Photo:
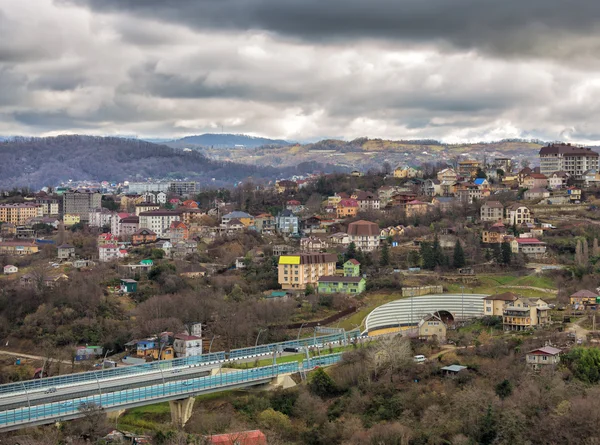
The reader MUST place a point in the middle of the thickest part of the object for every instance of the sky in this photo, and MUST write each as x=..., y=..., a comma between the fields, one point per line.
x=452, y=70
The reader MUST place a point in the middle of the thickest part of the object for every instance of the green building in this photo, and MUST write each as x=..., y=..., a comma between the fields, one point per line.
x=352, y=268
x=147, y=262
x=342, y=285
x=128, y=285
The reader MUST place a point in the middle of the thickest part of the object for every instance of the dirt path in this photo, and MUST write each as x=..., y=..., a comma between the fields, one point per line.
x=540, y=289
x=33, y=357
x=445, y=349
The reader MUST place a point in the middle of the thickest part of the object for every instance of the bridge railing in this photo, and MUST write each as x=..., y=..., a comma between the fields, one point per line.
x=183, y=388
x=93, y=376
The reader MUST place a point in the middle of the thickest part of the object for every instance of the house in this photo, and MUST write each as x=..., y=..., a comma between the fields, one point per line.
x=110, y=252
x=347, y=208
x=70, y=219
x=128, y=285
x=313, y=244
x=492, y=211
x=265, y=223
x=234, y=225
x=351, y=268
x=187, y=345
x=583, y=297
x=574, y=194
x=535, y=180
x=416, y=208
x=385, y=194
x=495, y=234
x=107, y=238
x=453, y=370
x=536, y=193
x=364, y=234
x=444, y=203
x=178, y=232
x=432, y=326
x=406, y=171
x=300, y=270
x=8, y=230
x=542, y=357
x=558, y=180
x=481, y=183
x=245, y=218
x=255, y=437
x=79, y=264
x=591, y=178
x=10, y=269
x=143, y=236
x=53, y=280
x=518, y=214
x=190, y=204
x=468, y=169
x=124, y=224
x=339, y=239
x=100, y=217
x=447, y=175
x=165, y=246
x=532, y=247
x=431, y=187
x=159, y=221
x=366, y=201
x=65, y=251
x=400, y=199
x=286, y=186
x=469, y=192
x=287, y=223
x=494, y=304
x=525, y=313
x=88, y=352
x=24, y=247
x=336, y=198
x=294, y=206
x=392, y=231
x=282, y=249
x=343, y=285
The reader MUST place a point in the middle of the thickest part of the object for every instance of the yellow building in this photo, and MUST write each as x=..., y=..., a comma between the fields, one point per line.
x=18, y=247
x=468, y=169
x=298, y=271
x=19, y=213
x=525, y=313
x=432, y=327
x=71, y=219
x=494, y=304
x=145, y=207
x=405, y=171
x=129, y=202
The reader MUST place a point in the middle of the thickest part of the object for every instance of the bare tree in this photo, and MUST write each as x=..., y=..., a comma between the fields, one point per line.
x=391, y=354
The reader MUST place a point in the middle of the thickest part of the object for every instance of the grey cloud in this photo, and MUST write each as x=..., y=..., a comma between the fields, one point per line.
x=545, y=28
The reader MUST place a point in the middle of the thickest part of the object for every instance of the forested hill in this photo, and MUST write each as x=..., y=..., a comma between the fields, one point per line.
x=37, y=162
x=210, y=140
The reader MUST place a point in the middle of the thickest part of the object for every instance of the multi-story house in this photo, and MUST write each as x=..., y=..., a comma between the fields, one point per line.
x=431, y=187
x=518, y=214
x=178, y=232
x=536, y=193
x=245, y=218
x=532, y=247
x=19, y=213
x=128, y=226
x=415, y=208
x=568, y=158
x=447, y=174
x=107, y=238
x=110, y=252
x=145, y=207
x=406, y=171
x=364, y=234
x=115, y=222
x=496, y=234
x=313, y=244
x=80, y=203
x=265, y=223
x=183, y=188
x=159, y=221
x=574, y=194
x=543, y=357
x=583, y=298
x=504, y=164
x=525, y=313
x=339, y=239
x=65, y=252
x=284, y=186
x=351, y=268
x=187, y=345
x=100, y=217
x=143, y=236
x=347, y=208
x=299, y=270
x=492, y=211
x=341, y=285
x=18, y=247
x=70, y=219
x=494, y=304
x=385, y=194
x=468, y=192
x=366, y=201
x=558, y=180
x=535, y=180
x=468, y=169
x=287, y=223
x=432, y=326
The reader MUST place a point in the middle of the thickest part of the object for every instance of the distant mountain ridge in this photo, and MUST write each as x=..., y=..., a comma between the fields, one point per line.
x=37, y=162
x=215, y=140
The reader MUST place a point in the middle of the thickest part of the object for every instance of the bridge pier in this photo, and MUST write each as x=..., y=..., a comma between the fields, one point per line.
x=181, y=411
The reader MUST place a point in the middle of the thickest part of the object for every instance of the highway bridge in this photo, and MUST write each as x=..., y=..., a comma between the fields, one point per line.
x=52, y=392
x=179, y=392
x=407, y=312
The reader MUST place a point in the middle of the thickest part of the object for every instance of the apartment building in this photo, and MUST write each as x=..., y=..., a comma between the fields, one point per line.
x=138, y=188
x=468, y=169
x=299, y=270
x=145, y=207
x=525, y=313
x=18, y=247
x=568, y=158
x=287, y=223
x=183, y=188
x=159, y=221
x=80, y=203
x=364, y=234
x=367, y=201
x=495, y=234
x=50, y=206
x=100, y=217
x=19, y=213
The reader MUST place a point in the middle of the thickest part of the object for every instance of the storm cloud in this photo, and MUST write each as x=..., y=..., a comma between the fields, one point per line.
x=453, y=70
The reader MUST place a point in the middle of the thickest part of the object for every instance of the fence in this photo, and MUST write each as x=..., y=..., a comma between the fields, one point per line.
x=422, y=290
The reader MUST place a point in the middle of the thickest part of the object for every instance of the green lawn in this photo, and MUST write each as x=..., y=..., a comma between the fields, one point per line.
x=372, y=301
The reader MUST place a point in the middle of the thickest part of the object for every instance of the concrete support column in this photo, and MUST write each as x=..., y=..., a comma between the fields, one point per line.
x=181, y=411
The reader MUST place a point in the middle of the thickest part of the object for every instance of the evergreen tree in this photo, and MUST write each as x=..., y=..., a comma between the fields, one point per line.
x=427, y=256
x=438, y=253
x=497, y=253
x=351, y=251
x=595, y=248
x=488, y=428
x=459, y=255
x=384, y=259
x=506, y=253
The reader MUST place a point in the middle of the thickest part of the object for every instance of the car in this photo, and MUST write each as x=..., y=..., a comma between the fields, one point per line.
x=50, y=390
x=291, y=349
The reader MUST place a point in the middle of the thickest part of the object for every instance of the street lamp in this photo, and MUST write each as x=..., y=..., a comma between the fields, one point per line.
x=259, y=332
x=211, y=342
x=462, y=304
x=299, y=330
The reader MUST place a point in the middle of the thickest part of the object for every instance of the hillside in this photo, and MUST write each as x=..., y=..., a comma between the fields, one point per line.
x=37, y=162
x=210, y=140
x=364, y=153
